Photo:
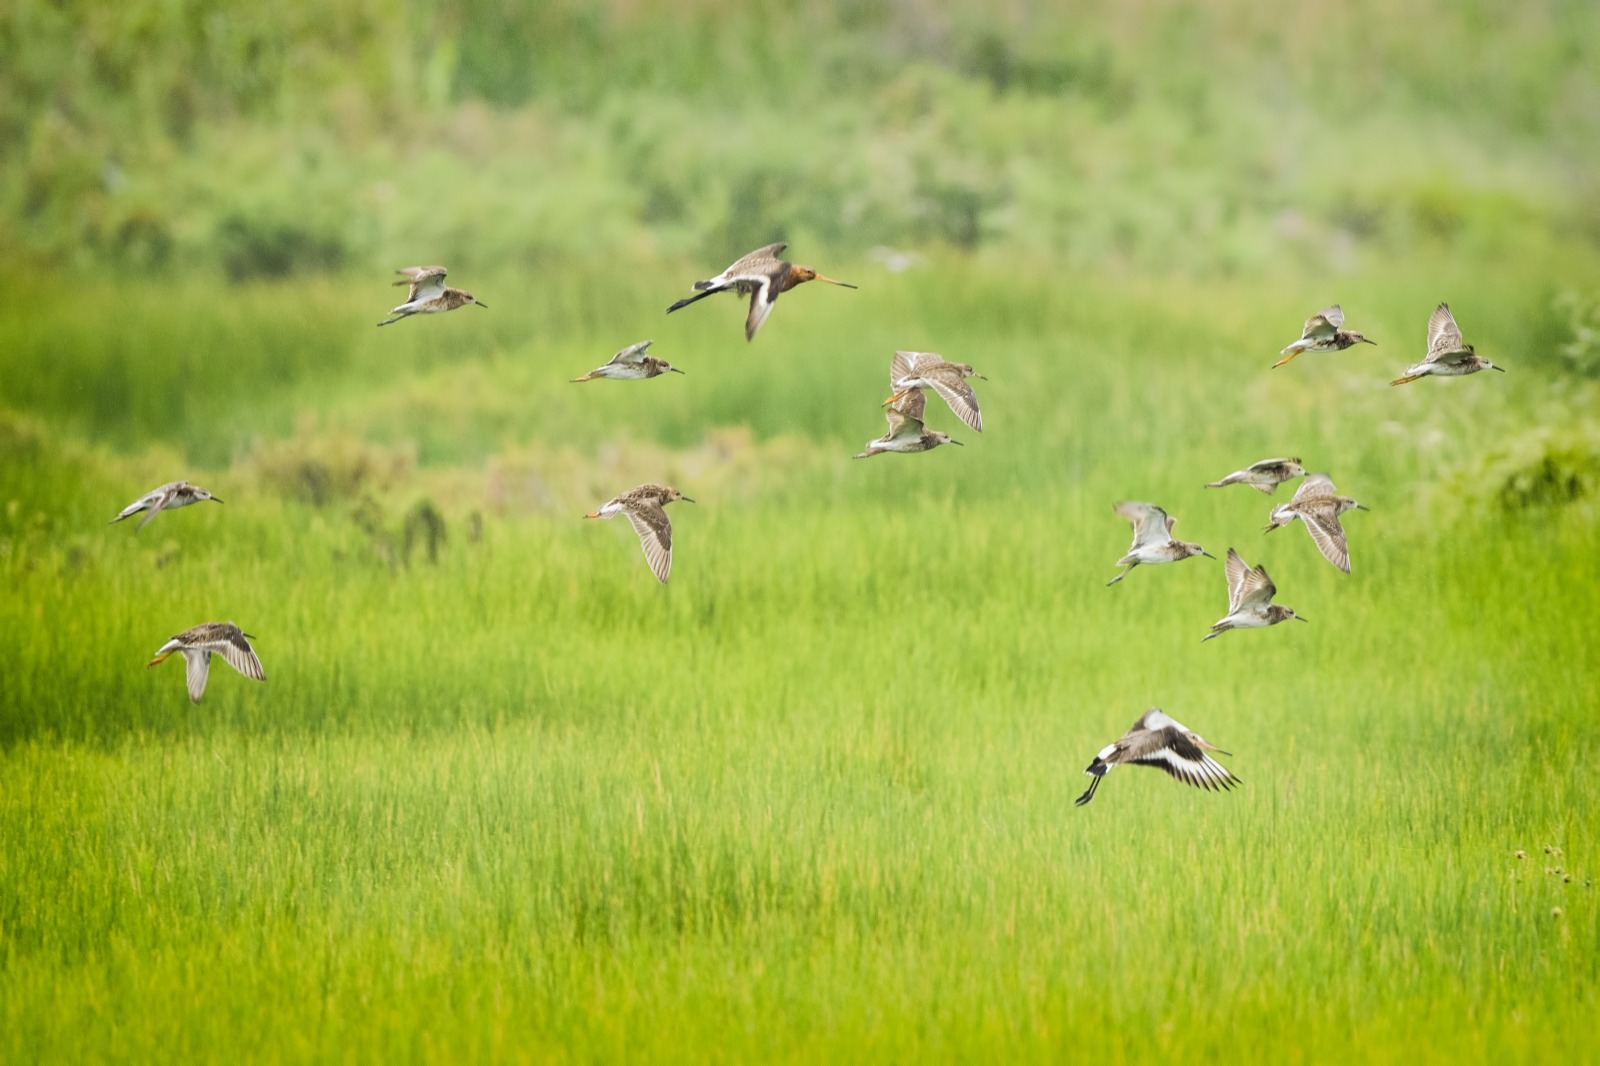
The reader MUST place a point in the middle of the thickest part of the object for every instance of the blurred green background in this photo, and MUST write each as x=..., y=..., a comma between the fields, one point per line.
x=1207, y=139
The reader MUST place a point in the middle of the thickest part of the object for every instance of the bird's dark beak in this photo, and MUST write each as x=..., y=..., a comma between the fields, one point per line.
x=957, y=443
x=836, y=281
x=685, y=499
x=1368, y=340
x=674, y=369
x=1207, y=554
x=1499, y=368
x=249, y=636
x=481, y=304
x=1301, y=618
x=215, y=500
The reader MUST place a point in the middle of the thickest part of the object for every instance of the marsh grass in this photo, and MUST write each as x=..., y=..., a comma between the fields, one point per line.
x=812, y=799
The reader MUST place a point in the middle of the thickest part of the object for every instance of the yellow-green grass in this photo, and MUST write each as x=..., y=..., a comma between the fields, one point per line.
x=812, y=799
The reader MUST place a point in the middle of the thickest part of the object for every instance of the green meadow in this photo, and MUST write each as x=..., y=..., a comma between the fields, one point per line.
x=504, y=797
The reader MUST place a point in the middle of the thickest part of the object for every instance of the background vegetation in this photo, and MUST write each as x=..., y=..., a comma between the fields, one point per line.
x=503, y=797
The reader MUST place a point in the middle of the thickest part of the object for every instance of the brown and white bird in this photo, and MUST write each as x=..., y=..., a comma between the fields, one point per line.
x=1448, y=355
x=1157, y=740
x=645, y=507
x=631, y=364
x=1250, y=603
x=199, y=643
x=763, y=277
x=930, y=370
x=428, y=294
x=1322, y=333
x=1152, y=538
x=169, y=496
x=1318, y=507
x=1264, y=476
x=906, y=431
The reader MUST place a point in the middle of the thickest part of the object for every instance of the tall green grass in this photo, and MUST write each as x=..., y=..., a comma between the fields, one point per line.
x=812, y=799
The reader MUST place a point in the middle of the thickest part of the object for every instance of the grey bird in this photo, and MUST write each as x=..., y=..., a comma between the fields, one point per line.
x=1318, y=507
x=172, y=495
x=1157, y=740
x=1250, y=603
x=1152, y=538
x=1448, y=355
x=1264, y=476
x=198, y=643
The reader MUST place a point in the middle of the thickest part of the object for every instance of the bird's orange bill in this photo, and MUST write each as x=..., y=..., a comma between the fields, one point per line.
x=834, y=281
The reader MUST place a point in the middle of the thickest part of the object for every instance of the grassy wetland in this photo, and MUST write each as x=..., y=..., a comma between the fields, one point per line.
x=504, y=797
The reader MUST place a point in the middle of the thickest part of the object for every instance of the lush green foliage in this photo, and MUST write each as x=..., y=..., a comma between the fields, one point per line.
x=163, y=135
x=504, y=797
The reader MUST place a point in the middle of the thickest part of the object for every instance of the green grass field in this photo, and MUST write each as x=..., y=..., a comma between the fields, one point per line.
x=812, y=799
x=503, y=797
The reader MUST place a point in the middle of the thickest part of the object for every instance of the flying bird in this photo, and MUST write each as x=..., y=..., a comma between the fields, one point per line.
x=428, y=294
x=1264, y=476
x=1250, y=603
x=1448, y=356
x=1322, y=333
x=172, y=494
x=906, y=431
x=1152, y=538
x=631, y=364
x=197, y=645
x=1157, y=740
x=763, y=277
x=929, y=370
x=1318, y=507
x=645, y=507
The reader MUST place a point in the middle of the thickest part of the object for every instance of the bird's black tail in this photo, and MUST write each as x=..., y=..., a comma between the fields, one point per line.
x=687, y=300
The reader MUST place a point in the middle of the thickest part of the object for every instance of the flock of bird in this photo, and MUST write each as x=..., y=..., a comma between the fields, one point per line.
x=1155, y=739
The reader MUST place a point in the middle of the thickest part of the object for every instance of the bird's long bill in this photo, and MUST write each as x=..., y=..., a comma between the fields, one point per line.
x=481, y=304
x=215, y=500
x=1499, y=368
x=685, y=499
x=834, y=281
x=1207, y=554
x=957, y=443
x=592, y=514
x=675, y=370
x=1301, y=618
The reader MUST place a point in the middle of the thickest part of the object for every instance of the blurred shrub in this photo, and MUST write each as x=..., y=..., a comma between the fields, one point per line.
x=1581, y=317
x=322, y=470
x=1543, y=468
x=260, y=247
